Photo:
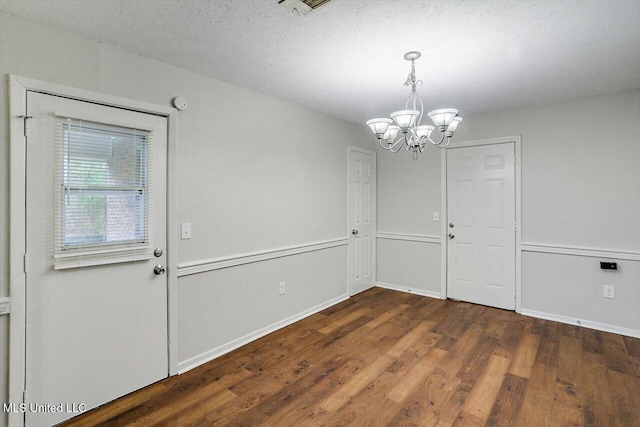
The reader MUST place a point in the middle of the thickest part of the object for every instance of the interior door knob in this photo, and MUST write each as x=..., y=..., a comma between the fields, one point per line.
x=451, y=235
x=354, y=231
x=158, y=270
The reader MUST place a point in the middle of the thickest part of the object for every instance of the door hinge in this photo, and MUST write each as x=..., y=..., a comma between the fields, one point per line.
x=24, y=261
x=26, y=127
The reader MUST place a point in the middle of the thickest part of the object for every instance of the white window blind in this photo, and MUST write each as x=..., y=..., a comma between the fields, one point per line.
x=102, y=193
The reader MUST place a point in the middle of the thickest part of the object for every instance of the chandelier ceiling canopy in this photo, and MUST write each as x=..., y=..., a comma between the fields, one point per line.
x=404, y=128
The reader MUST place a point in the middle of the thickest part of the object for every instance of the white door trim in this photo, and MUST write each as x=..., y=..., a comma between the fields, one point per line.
x=18, y=87
x=517, y=141
x=351, y=149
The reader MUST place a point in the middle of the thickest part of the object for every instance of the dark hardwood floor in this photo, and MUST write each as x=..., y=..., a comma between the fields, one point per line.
x=391, y=358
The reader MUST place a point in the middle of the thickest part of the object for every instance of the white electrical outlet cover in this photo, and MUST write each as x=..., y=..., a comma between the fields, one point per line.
x=608, y=291
x=185, y=231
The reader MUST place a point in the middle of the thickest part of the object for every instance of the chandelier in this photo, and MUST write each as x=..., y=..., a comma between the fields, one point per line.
x=404, y=128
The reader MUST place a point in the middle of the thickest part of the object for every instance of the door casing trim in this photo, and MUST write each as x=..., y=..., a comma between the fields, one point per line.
x=517, y=141
x=18, y=88
x=351, y=149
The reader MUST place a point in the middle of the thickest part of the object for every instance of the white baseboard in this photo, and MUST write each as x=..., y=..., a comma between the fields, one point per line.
x=422, y=292
x=209, y=355
x=584, y=323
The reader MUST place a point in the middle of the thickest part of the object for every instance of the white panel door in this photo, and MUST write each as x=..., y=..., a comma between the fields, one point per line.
x=362, y=220
x=93, y=333
x=481, y=224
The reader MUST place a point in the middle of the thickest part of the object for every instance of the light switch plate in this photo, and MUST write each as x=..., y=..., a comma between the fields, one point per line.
x=185, y=231
x=436, y=216
x=608, y=291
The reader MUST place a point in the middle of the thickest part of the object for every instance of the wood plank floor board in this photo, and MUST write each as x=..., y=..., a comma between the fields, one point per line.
x=510, y=339
x=432, y=309
x=539, y=397
x=548, y=347
x=625, y=399
x=508, y=401
x=568, y=409
x=597, y=400
x=592, y=341
x=618, y=358
x=633, y=346
x=476, y=360
x=390, y=358
x=484, y=393
x=525, y=356
x=465, y=419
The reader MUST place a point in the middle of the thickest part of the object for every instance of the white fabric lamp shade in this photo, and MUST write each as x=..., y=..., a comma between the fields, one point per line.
x=424, y=130
x=405, y=118
x=391, y=133
x=379, y=126
x=443, y=116
x=454, y=124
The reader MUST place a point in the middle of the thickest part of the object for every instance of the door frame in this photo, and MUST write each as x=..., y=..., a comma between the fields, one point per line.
x=517, y=141
x=351, y=149
x=18, y=88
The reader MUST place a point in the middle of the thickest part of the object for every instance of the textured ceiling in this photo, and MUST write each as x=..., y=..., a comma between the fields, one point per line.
x=345, y=58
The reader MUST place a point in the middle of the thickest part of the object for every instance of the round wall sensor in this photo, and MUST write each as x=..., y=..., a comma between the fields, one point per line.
x=180, y=103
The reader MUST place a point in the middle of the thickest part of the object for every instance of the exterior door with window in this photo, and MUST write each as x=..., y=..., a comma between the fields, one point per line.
x=481, y=239
x=96, y=210
x=362, y=220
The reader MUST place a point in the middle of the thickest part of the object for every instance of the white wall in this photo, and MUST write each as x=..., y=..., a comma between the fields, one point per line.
x=240, y=302
x=580, y=188
x=254, y=173
x=410, y=194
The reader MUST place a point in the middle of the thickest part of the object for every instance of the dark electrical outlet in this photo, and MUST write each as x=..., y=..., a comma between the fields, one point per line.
x=608, y=265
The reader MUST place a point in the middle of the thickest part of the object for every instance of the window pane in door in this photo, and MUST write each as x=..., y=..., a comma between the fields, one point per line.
x=103, y=197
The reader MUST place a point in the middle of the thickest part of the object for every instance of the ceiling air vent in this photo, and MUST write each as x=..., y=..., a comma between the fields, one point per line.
x=302, y=7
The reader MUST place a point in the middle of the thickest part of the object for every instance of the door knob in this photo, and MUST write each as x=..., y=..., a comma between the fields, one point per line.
x=158, y=270
x=451, y=235
x=450, y=225
x=354, y=231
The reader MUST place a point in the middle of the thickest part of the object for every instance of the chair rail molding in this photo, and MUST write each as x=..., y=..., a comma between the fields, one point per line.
x=5, y=305
x=581, y=251
x=201, y=266
x=408, y=237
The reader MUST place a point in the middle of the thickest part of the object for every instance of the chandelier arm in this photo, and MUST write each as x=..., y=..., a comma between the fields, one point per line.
x=438, y=143
x=396, y=142
x=382, y=146
x=401, y=142
x=444, y=145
